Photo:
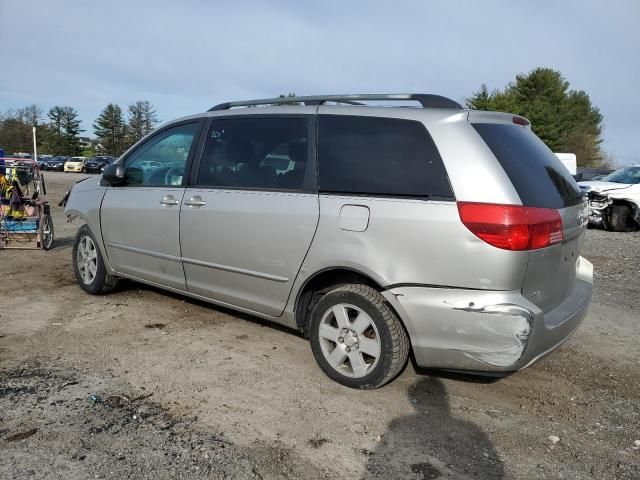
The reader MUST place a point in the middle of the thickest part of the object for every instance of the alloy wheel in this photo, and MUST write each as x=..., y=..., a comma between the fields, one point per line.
x=87, y=259
x=349, y=340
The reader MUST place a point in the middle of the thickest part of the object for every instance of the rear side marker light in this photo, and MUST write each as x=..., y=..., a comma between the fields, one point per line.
x=512, y=227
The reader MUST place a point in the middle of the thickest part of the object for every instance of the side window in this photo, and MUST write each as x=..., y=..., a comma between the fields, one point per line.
x=255, y=152
x=379, y=156
x=162, y=159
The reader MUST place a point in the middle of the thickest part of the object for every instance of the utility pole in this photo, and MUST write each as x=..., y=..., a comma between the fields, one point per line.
x=35, y=148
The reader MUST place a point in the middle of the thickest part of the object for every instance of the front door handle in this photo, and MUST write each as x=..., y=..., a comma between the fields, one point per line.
x=195, y=201
x=169, y=200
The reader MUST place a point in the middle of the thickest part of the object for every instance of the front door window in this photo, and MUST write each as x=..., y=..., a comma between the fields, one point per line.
x=161, y=160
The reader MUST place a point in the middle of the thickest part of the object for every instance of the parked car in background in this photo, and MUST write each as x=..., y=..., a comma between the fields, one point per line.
x=56, y=163
x=96, y=164
x=451, y=233
x=614, y=200
x=75, y=164
x=42, y=161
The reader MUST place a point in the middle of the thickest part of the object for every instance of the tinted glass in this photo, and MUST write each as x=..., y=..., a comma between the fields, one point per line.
x=162, y=159
x=538, y=176
x=255, y=153
x=379, y=156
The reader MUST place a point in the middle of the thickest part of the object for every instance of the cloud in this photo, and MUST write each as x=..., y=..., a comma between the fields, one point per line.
x=186, y=56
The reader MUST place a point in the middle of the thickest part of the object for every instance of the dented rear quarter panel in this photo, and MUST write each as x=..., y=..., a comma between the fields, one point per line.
x=488, y=331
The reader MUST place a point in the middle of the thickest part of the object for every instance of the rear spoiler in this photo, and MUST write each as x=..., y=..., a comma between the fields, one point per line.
x=481, y=116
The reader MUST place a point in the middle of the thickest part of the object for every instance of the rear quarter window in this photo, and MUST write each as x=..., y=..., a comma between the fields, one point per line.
x=538, y=176
x=379, y=156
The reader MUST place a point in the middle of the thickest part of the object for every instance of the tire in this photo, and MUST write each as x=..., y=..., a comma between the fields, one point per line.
x=621, y=219
x=92, y=279
x=356, y=350
x=46, y=232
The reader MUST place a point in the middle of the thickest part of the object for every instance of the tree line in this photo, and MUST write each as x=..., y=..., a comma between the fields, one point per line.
x=59, y=132
x=563, y=118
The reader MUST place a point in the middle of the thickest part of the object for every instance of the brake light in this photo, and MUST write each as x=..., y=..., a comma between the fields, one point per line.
x=512, y=227
x=520, y=121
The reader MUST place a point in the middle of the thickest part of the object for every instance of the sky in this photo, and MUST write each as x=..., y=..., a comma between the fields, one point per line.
x=186, y=56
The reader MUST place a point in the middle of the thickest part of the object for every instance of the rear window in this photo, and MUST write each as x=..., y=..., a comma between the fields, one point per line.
x=379, y=156
x=538, y=176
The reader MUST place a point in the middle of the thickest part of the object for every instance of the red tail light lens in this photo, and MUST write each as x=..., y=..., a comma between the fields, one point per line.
x=512, y=227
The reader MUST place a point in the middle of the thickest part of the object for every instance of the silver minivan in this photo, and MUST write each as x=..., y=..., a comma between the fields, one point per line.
x=378, y=231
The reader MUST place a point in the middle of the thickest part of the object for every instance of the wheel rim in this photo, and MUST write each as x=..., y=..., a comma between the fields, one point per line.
x=349, y=340
x=87, y=259
x=47, y=232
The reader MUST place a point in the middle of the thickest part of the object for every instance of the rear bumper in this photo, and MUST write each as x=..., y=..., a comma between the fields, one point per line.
x=487, y=331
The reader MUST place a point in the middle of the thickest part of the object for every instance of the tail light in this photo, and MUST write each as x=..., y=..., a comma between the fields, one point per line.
x=512, y=227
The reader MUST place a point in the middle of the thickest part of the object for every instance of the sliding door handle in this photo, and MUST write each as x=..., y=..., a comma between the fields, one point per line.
x=195, y=201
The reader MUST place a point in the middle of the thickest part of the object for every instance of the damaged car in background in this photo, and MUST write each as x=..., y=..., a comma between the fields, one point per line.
x=614, y=200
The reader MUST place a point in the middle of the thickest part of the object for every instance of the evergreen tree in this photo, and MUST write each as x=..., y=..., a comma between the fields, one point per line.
x=142, y=120
x=71, y=131
x=110, y=130
x=63, y=132
x=55, y=144
x=564, y=119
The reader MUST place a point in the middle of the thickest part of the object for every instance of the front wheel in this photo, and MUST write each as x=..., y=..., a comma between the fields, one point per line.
x=621, y=219
x=356, y=338
x=88, y=265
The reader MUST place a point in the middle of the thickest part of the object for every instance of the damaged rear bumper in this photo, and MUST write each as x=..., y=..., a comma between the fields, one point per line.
x=487, y=331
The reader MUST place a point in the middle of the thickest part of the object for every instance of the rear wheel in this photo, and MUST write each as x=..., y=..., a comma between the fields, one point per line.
x=356, y=338
x=621, y=219
x=88, y=265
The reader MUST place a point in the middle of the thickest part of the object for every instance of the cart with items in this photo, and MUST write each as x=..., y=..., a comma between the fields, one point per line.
x=25, y=216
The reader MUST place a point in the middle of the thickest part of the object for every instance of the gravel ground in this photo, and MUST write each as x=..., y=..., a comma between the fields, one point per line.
x=185, y=390
x=617, y=276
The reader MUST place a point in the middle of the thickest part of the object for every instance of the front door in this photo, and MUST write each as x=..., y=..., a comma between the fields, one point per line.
x=249, y=218
x=140, y=218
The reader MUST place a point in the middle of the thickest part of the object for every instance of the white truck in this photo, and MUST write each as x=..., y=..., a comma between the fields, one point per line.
x=569, y=161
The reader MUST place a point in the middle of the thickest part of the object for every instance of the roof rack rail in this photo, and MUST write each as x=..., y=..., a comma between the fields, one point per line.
x=427, y=100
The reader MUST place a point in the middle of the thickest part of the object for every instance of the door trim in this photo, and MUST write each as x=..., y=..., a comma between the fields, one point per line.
x=142, y=251
x=216, y=266
x=242, y=271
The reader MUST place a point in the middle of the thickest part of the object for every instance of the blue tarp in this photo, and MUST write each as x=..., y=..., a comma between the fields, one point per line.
x=20, y=226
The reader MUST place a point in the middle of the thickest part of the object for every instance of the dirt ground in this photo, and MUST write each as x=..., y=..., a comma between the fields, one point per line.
x=144, y=384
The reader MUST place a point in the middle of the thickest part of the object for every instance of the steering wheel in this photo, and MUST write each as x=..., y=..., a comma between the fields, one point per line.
x=177, y=171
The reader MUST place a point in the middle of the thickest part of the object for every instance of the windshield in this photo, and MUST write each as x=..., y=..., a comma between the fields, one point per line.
x=629, y=175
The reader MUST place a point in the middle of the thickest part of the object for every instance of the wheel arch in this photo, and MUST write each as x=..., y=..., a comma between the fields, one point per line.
x=327, y=279
x=94, y=226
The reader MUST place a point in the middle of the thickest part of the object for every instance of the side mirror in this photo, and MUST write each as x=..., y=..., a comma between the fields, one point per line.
x=113, y=174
